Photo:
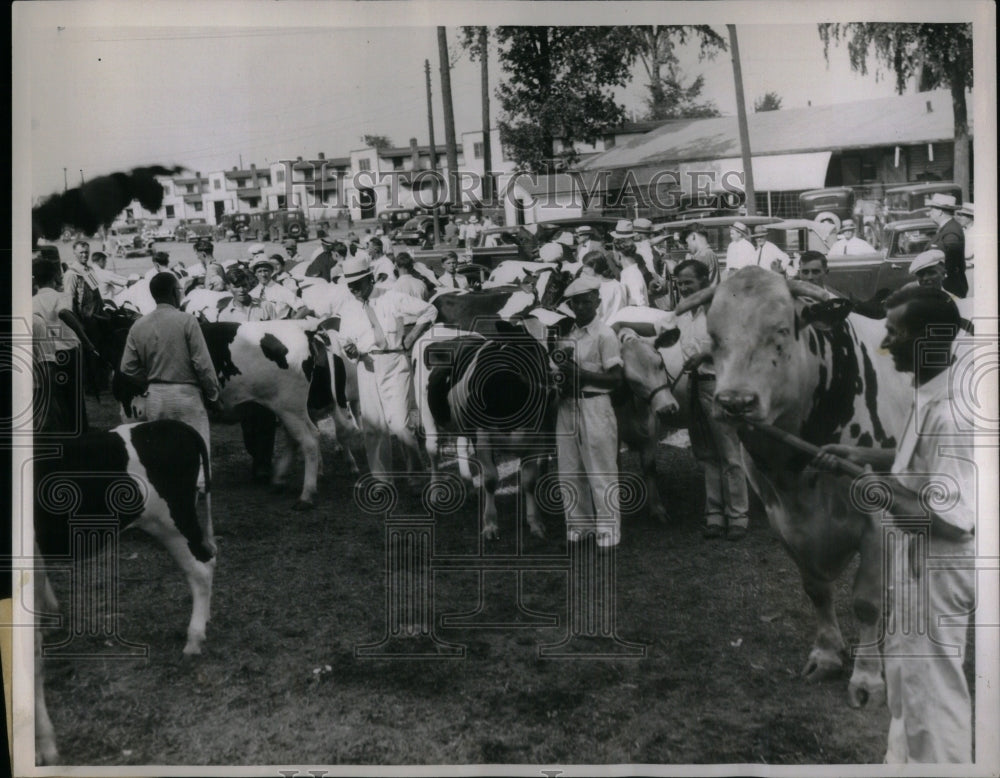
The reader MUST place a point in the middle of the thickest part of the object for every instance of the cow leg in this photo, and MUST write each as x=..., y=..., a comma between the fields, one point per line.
x=491, y=529
x=825, y=658
x=299, y=428
x=867, y=686
x=279, y=470
x=346, y=431
x=654, y=502
x=199, y=577
x=462, y=455
x=529, y=477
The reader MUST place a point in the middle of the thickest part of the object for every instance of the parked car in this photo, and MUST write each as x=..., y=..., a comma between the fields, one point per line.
x=496, y=244
x=126, y=240
x=196, y=228
x=909, y=201
x=277, y=225
x=550, y=229
x=836, y=201
x=392, y=219
x=158, y=232
x=419, y=231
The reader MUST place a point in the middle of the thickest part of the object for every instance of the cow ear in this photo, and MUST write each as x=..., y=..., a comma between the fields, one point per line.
x=826, y=314
x=667, y=338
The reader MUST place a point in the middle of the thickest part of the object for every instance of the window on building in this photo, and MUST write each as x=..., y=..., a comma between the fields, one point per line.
x=253, y=202
x=397, y=163
x=197, y=207
x=216, y=184
x=364, y=164
x=307, y=174
x=264, y=181
x=170, y=211
x=477, y=150
x=279, y=176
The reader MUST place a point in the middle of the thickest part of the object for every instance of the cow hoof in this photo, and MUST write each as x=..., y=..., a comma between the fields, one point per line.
x=866, y=695
x=822, y=665
x=303, y=505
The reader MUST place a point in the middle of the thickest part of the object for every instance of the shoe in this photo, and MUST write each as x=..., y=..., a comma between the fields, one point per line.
x=712, y=532
x=736, y=532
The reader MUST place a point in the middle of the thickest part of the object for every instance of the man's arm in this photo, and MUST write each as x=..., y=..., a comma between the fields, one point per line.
x=130, y=365
x=201, y=361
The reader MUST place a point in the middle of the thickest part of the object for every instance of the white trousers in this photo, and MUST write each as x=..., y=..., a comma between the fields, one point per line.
x=181, y=402
x=924, y=646
x=587, y=443
x=384, y=382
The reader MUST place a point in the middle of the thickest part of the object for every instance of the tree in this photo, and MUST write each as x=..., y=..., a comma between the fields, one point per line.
x=558, y=83
x=769, y=102
x=377, y=142
x=935, y=55
x=656, y=49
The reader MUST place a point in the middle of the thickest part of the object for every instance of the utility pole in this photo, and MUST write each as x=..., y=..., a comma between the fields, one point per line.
x=449, y=119
x=81, y=176
x=434, y=156
x=484, y=35
x=741, y=112
x=65, y=181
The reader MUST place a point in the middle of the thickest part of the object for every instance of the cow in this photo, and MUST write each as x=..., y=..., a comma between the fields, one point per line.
x=785, y=356
x=275, y=364
x=497, y=391
x=144, y=475
x=655, y=391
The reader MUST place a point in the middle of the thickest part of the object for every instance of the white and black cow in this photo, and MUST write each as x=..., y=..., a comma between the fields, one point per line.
x=273, y=363
x=497, y=391
x=814, y=371
x=142, y=475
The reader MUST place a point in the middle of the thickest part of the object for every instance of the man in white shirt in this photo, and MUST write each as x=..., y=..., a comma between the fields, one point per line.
x=848, y=244
x=965, y=215
x=472, y=230
x=740, y=251
x=408, y=283
x=285, y=303
x=109, y=284
x=768, y=255
x=585, y=243
x=595, y=264
x=372, y=333
x=450, y=279
x=632, y=280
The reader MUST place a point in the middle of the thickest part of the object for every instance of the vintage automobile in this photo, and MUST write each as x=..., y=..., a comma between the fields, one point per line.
x=820, y=204
x=716, y=228
x=909, y=201
x=550, y=229
x=391, y=219
x=157, y=231
x=192, y=229
x=126, y=240
x=496, y=244
x=276, y=225
x=419, y=231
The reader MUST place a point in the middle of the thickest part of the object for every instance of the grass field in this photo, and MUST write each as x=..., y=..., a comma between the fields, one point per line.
x=725, y=626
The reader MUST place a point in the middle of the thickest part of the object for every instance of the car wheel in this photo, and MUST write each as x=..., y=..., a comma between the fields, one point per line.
x=294, y=230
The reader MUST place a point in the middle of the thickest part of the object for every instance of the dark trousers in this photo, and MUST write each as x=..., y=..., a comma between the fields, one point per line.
x=259, y=427
x=58, y=402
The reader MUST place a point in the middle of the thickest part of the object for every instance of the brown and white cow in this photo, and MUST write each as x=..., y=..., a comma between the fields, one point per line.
x=142, y=475
x=814, y=371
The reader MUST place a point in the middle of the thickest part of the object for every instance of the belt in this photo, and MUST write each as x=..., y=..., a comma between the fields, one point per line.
x=591, y=395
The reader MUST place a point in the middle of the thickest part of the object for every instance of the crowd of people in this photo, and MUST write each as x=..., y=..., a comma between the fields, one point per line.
x=382, y=300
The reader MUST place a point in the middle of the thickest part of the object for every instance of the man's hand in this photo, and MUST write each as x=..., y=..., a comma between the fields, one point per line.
x=692, y=362
x=351, y=350
x=829, y=457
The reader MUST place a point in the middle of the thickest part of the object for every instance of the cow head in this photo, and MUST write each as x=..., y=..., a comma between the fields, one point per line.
x=757, y=321
x=647, y=363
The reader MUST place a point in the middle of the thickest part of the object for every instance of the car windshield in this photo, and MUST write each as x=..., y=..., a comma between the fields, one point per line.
x=914, y=241
x=412, y=224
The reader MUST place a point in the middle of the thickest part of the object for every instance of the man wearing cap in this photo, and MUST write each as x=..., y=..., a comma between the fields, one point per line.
x=740, y=252
x=715, y=444
x=166, y=350
x=449, y=279
x=321, y=262
x=849, y=244
x=950, y=238
x=586, y=428
x=632, y=278
x=768, y=255
x=372, y=332
x=285, y=303
x=585, y=243
x=965, y=216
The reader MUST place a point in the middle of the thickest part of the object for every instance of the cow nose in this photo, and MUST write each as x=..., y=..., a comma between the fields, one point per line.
x=737, y=403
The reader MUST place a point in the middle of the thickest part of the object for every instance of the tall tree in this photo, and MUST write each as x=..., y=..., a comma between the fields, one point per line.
x=934, y=55
x=656, y=48
x=771, y=101
x=558, y=83
x=378, y=142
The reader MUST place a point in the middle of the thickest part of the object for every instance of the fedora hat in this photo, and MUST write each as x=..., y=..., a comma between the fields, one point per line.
x=847, y=224
x=741, y=228
x=624, y=229
x=967, y=209
x=760, y=231
x=643, y=225
x=256, y=248
x=945, y=202
x=584, y=229
x=356, y=268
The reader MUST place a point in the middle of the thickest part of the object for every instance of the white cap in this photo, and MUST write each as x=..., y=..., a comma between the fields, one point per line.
x=582, y=285
x=256, y=248
x=925, y=260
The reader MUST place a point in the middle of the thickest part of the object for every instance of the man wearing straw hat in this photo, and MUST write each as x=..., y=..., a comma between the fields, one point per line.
x=740, y=251
x=285, y=303
x=371, y=332
x=585, y=243
x=632, y=279
x=848, y=243
x=965, y=216
x=950, y=238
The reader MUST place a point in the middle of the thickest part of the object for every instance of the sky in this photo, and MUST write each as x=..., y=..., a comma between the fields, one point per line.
x=222, y=84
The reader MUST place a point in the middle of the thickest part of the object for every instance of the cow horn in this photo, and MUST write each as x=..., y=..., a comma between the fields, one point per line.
x=701, y=297
x=806, y=289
